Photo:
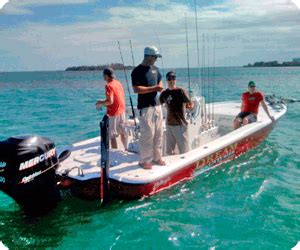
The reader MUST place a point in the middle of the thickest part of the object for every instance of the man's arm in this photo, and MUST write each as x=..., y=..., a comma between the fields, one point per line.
x=108, y=101
x=242, y=106
x=162, y=97
x=187, y=100
x=243, y=101
x=265, y=107
x=144, y=90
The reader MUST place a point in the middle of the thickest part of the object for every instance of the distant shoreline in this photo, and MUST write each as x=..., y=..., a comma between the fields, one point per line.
x=130, y=67
x=294, y=63
x=115, y=66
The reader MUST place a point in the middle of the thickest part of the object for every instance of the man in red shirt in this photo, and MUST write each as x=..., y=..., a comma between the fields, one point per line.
x=250, y=105
x=115, y=103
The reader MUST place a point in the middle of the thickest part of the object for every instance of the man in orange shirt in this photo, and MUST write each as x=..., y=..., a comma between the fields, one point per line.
x=250, y=105
x=115, y=103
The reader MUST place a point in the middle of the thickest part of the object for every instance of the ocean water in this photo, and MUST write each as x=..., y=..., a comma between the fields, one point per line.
x=252, y=202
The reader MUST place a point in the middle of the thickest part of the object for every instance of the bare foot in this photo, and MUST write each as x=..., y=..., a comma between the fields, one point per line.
x=146, y=165
x=160, y=162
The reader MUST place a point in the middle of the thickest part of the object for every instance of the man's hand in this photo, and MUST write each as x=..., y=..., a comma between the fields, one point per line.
x=159, y=88
x=189, y=105
x=98, y=105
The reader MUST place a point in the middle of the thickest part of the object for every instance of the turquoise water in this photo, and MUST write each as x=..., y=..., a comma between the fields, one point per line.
x=250, y=203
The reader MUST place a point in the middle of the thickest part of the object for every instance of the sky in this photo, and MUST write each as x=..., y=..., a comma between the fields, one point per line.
x=55, y=34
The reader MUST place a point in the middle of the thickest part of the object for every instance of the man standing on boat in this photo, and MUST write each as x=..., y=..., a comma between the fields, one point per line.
x=115, y=103
x=176, y=100
x=147, y=81
x=250, y=104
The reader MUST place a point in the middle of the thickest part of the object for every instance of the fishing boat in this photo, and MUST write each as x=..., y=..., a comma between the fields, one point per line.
x=211, y=146
x=33, y=174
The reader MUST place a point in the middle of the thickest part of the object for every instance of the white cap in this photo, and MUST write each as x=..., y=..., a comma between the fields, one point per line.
x=151, y=51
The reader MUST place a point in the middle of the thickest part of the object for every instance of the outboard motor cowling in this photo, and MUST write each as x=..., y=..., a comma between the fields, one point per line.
x=27, y=172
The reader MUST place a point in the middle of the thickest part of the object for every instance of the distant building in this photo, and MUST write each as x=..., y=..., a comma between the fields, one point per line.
x=297, y=60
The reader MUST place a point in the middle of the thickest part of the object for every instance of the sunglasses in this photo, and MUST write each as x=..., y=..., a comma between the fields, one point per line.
x=171, y=78
x=252, y=86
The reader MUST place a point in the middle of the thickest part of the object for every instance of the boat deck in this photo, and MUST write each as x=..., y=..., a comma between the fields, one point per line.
x=84, y=162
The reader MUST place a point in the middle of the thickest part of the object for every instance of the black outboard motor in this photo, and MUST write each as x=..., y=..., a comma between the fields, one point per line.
x=27, y=172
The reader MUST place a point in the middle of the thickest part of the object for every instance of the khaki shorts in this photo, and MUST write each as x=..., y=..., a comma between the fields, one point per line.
x=116, y=125
x=177, y=135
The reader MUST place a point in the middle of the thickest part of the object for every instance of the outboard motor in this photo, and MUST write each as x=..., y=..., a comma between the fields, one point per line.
x=27, y=172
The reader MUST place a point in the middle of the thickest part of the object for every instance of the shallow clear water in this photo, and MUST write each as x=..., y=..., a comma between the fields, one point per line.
x=250, y=203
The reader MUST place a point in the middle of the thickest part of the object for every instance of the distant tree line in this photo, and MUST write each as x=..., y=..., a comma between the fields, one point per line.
x=115, y=66
x=273, y=64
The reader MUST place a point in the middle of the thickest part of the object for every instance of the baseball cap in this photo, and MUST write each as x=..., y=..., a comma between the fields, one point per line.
x=251, y=84
x=151, y=51
x=109, y=72
x=171, y=74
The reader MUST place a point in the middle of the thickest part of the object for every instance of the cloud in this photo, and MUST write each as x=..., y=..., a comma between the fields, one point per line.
x=247, y=31
x=297, y=3
x=22, y=7
x=2, y=3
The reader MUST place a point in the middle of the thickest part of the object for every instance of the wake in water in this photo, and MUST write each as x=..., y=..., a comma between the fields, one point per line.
x=260, y=190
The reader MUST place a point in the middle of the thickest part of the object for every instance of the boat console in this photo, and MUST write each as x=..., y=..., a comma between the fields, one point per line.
x=202, y=129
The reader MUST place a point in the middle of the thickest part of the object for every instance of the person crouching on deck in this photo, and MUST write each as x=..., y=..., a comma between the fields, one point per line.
x=249, y=108
x=115, y=103
x=146, y=81
x=176, y=100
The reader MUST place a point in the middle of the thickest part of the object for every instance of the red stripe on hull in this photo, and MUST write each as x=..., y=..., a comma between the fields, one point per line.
x=133, y=191
x=90, y=189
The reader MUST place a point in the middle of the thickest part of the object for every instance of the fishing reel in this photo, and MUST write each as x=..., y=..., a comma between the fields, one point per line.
x=275, y=102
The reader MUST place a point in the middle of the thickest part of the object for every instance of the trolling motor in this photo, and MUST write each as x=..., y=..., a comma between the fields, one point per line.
x=27, y=172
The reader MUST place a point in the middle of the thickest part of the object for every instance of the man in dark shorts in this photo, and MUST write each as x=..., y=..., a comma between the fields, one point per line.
x=250, y=105
x=146, y=81
x=176, y=100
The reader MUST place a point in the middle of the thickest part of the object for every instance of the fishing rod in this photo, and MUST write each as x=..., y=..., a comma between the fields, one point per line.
x=290, y=100
x=203, y=80
x=208, y=78
x=198, y=52
x=88, y=95
x=126, y=79
x=203, y=64
x=188, y=56
x=213, y=79
x=203, y=77
x=131, y=53
x=162, y=60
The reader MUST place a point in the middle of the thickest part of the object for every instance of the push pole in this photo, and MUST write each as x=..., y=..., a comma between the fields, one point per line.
x=104, y=148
